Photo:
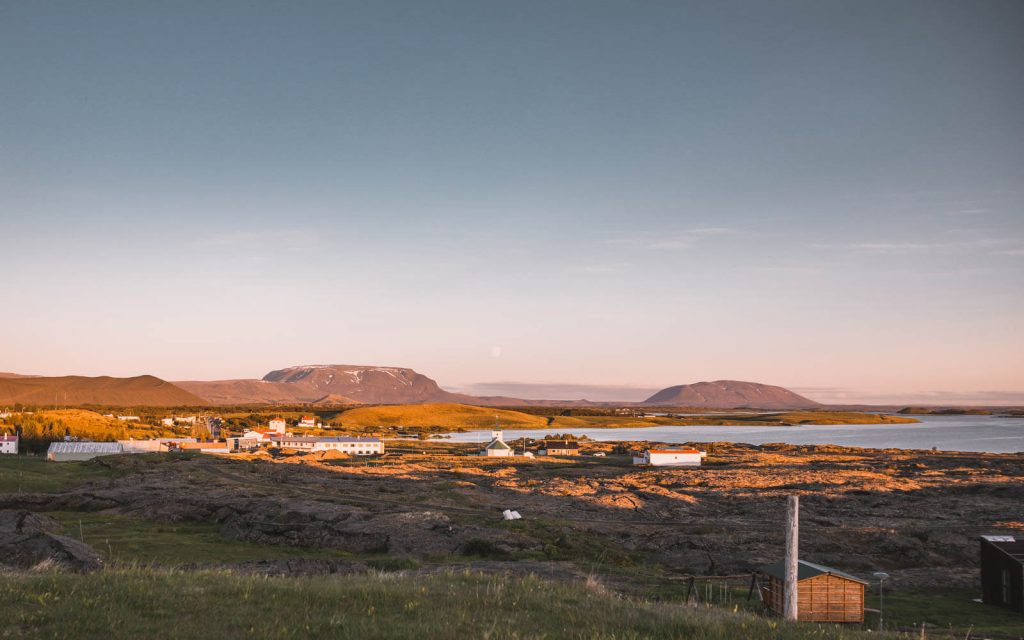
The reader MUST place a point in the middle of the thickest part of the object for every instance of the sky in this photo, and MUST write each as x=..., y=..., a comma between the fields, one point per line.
x=519, y=197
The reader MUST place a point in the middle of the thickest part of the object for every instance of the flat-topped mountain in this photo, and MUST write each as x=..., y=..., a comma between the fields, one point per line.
x=104, y=390
x=730, y=394
x=366, y=384
x=327, y=384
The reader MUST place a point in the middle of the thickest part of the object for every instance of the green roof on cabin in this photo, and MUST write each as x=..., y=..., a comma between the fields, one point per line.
x=497, y=444
x=805, y=570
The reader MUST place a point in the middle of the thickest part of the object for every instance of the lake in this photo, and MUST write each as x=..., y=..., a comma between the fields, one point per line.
x=946, y=433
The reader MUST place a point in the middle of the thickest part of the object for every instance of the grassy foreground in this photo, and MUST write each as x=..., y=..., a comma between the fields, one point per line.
x=151, y=604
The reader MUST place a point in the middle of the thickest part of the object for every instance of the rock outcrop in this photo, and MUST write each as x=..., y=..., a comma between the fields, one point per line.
x=29, y=540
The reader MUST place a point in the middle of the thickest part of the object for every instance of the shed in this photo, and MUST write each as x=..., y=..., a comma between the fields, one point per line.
x=1002, y=571
x=71, y=451
x=823, y=594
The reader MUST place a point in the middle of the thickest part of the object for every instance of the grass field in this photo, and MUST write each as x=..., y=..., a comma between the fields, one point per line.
x=132, y=541
x=33, y=473
x=947, y=613
x=166, y=604
x=451, y=417
x=455, y=417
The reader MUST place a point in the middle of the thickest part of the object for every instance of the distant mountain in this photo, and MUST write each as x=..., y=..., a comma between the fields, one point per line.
x=246, y=391
x=327, y=384
x=104, y=390
x=730, y=394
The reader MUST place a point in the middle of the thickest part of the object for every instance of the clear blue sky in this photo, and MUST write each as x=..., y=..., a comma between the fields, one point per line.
x=823, y=195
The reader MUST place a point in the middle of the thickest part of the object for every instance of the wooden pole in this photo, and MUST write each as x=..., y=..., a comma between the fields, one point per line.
x=792, y=552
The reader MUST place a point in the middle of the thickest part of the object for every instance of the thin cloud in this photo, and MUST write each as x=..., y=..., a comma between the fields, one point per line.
x=561, y=391
x=968, y=212
x=672, y=241
x=600, y=268
x=987, y=245
x=264, y=239
x=841, y=395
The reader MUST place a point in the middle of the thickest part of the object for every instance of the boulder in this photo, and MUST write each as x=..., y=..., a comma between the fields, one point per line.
x=29, y=540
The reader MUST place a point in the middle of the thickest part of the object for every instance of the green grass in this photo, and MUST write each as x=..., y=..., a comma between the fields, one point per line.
x=160, y=604
x=120, y=539
x=35, y=474
x=947, y=614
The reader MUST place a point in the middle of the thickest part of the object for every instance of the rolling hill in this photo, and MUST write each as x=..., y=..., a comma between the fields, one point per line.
x=452, y=416
x=104, y=390
x=730, y=394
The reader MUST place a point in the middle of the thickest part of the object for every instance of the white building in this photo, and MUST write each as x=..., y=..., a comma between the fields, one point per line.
x=264, y=436
x=9, y=444
x=278, y=425
x=308, y=422
x=69, y=451
x=242, y=443
x=354, y=446
x=155, y=445
x=167, y=422
x=671, y=457
x=497, y=448
x=128, y=418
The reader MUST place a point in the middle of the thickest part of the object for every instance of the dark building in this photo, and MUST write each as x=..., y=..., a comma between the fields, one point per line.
x=560, y=448
x=1002, y=571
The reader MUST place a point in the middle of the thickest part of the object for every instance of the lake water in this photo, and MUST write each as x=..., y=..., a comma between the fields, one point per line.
x=946, y=433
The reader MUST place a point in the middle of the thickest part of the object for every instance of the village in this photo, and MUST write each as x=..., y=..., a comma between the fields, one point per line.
x=277, y=435
x=709, y=517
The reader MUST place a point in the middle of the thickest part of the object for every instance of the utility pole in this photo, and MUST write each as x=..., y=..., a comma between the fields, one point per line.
x=790, y=606
x=881, y=575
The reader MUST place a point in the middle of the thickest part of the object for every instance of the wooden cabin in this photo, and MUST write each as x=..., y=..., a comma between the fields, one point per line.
x=1002, y=571
x=823, y=594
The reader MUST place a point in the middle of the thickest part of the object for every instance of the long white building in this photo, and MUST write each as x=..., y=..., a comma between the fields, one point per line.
x=154, y=445
x=358, y=446
x=671, y=457
x=70, y=451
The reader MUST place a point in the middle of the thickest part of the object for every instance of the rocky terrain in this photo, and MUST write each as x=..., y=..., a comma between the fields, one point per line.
x=31, y=540
x=730, y=394
x=916, y=515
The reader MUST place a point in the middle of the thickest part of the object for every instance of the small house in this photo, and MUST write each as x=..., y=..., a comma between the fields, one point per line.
x=241, y=443
x=560, y=448
x=278, y=425
x=497, y=448
x=9, y=444
x=307, y=422
x=670, y=457
x=1002, y=571
x=823, y=594
x=76, y=451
